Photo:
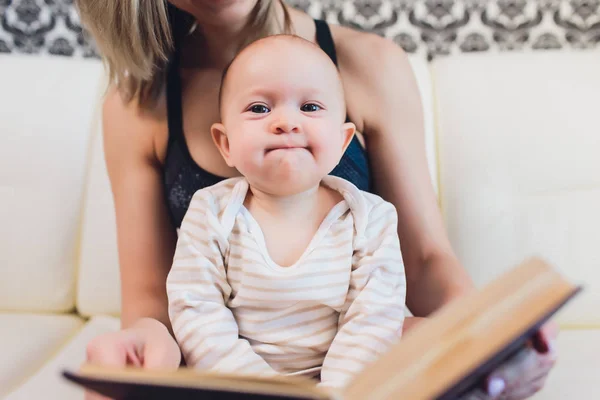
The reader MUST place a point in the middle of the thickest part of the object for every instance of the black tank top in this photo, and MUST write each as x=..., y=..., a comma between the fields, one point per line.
x=183, y=177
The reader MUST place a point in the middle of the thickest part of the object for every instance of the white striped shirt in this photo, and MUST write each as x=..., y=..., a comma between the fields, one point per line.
x=339, y=307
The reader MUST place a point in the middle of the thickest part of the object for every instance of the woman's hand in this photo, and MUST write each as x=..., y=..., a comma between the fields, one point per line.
x=521, y=376
x=147, y=344
x=525, y=373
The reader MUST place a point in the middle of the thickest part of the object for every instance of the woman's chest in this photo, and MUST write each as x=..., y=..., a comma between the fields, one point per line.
x=199, y=111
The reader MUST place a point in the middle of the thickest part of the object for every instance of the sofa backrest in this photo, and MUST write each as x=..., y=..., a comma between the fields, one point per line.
x=513, y=147
x=519, y=137
x=98, y=288
x=46, y=105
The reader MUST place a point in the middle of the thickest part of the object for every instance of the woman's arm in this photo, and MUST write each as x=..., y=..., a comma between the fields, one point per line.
x=146, y=242
x=146, y=238
x=386, y=104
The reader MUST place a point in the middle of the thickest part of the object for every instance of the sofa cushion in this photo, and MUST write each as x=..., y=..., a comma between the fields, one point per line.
x=49, y=379
x=518, y=145
x=45, y=111
x=28, y=341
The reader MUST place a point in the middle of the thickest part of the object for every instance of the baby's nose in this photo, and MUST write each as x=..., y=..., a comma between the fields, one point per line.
x=285, y=123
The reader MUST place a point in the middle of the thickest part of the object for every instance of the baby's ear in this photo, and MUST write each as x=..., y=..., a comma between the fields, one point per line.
x=219, y=135
x=348, y=130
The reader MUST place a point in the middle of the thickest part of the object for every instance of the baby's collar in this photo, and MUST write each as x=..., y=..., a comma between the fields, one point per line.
x=352, y=196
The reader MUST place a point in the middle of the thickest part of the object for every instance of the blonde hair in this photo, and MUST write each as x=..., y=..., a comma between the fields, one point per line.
x=137, y=38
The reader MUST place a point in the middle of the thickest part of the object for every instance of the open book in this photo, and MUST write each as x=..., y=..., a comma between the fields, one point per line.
x=440, y=358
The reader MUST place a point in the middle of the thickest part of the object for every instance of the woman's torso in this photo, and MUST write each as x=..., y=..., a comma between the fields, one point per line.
x=191, y=160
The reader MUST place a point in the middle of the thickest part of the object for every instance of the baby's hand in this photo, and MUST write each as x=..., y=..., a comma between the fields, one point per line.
x=148, y=345
x=161, y=350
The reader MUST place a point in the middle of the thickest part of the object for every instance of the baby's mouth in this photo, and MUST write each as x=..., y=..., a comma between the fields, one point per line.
x=285, y=148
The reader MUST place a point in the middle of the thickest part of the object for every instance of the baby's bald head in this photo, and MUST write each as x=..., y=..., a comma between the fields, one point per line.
x=287, y=51
x=282, y=115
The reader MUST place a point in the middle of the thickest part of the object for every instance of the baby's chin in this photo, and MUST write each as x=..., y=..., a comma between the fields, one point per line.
x=285, y=183
x=287, y=172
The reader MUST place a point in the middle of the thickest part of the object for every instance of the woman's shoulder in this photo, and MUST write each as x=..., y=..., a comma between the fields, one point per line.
x=377, y=75
x=129, y=126
x=358, y=49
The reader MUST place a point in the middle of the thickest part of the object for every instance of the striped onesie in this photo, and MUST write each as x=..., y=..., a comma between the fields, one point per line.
x=338, y=308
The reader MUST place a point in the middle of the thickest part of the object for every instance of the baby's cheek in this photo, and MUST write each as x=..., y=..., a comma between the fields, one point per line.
x=250, y=159
x=328, y=149
x=246, y=148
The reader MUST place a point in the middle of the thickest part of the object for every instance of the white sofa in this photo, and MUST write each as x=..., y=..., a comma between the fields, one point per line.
x=512, y=141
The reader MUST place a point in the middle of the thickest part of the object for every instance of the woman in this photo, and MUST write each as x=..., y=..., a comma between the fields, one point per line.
x=166, y=63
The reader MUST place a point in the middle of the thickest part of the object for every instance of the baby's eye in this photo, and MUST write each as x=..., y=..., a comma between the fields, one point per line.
x=259, y=109
x=310, y=107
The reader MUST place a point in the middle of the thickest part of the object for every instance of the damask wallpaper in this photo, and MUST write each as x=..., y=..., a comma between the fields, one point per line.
x=429, y=27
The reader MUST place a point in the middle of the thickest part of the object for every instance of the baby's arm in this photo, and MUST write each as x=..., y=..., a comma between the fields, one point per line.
x=198, y=291
x=372, y=317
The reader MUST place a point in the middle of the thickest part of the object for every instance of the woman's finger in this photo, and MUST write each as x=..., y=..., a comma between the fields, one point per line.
x=526, y=391
x=550, y=330
x=523, y=374
x=544, y=339
x=495, y=386
x=517, y=367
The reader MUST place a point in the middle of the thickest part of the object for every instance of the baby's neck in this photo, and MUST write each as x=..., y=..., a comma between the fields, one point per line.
x=296, y=206
x=289, y=223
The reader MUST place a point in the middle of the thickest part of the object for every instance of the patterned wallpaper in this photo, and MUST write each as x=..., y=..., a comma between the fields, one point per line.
x=428, y=27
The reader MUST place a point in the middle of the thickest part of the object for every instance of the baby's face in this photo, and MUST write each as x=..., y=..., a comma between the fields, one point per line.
x=283, y=116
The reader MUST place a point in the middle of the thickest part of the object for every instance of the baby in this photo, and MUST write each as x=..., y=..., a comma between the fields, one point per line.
x=286, y=270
